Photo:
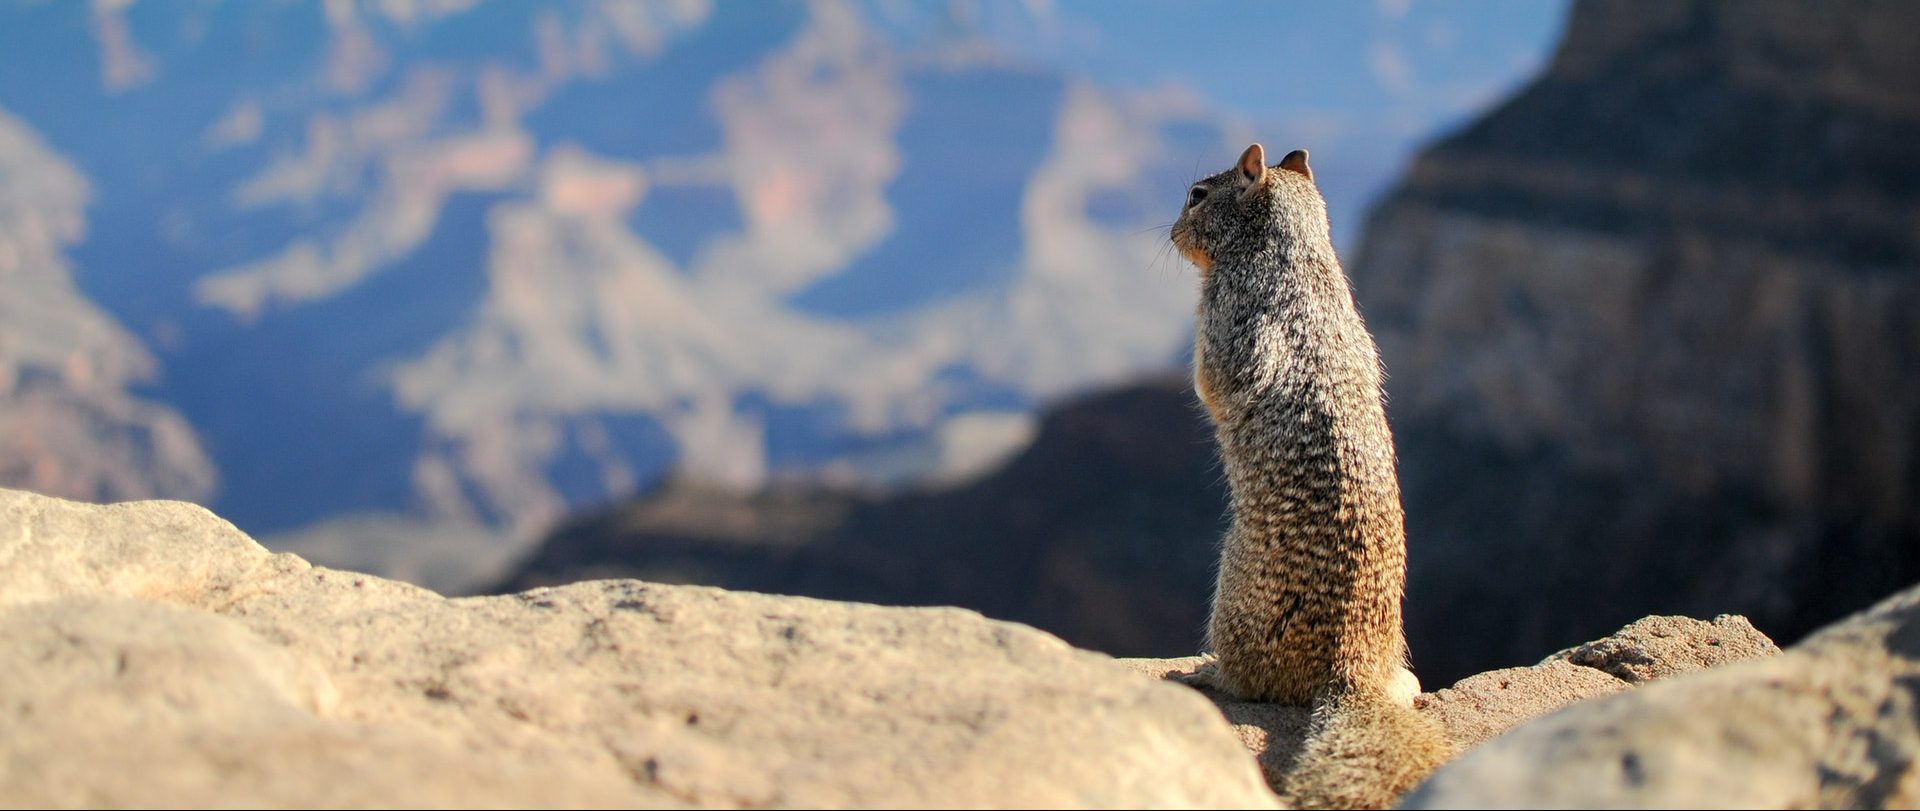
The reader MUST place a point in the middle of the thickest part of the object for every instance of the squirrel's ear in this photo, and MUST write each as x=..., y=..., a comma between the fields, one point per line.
x=1253, y=164
x=1297, y=161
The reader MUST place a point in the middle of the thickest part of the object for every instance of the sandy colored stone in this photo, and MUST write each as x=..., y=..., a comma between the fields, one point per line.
x=1657, y=647
x=1272, y=732
x=1480, y=707
x=123, y=703
x=1471, y=711
x=155, y=550
x=150, y=654
x=1483, y=706
x=1833, y=722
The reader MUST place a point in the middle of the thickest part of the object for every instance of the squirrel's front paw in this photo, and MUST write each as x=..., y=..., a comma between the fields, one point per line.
x=1205, y=677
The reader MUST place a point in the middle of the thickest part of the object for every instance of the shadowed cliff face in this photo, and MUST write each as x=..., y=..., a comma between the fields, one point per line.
x=1649, y=329
x=1103, y=531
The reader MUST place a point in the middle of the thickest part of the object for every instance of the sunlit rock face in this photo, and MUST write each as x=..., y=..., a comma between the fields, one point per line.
x=455, y=269
x=154, y=654
x=1649, y=330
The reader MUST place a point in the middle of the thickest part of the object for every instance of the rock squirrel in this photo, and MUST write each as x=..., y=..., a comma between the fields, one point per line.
x=1306, y=609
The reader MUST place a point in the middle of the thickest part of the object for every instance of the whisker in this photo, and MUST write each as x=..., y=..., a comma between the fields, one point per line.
x=1163, y=256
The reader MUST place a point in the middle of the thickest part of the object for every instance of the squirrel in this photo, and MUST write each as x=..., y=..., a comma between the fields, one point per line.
x=1306, y=609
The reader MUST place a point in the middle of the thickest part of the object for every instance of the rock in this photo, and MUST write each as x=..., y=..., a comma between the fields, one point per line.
x=1834, y=722
x=1483, y=706
x=132, y=704
x=1656, y=647
x=150, y=653
x=1479, y=707
x=1272, y=732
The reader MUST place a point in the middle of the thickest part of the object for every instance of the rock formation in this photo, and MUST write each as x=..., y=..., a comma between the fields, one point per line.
x=1649, y=331
x=1483, y=706
x=1832, y=723
x=151, y=654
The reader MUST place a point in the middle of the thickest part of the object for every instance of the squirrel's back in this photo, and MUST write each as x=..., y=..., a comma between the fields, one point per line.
x=1307, y=608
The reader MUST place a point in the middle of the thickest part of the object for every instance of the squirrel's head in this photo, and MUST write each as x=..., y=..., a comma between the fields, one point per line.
x=1237, y=211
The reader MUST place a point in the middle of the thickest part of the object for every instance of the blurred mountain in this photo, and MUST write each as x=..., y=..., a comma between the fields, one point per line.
x=1649, y=332
x=451, y=269
x=67, y=421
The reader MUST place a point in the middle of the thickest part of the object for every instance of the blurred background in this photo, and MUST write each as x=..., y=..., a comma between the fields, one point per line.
x=872, y=300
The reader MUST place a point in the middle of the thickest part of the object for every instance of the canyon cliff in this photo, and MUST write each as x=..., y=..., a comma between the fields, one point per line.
x=1649, y=330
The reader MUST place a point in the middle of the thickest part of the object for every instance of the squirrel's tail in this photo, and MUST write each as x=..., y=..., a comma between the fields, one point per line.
x=1363, y=750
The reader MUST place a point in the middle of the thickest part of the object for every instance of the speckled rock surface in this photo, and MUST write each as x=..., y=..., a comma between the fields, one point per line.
x=1656, y=647
x=1481, y=707
x=1833, y=722
x=151, y=654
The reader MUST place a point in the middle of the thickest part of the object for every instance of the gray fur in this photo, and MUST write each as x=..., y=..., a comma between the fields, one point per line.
x=1306, y=610
x=1313, y=567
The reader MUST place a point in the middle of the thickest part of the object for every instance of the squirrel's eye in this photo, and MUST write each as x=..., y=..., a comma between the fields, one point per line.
x=1196, y=195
